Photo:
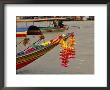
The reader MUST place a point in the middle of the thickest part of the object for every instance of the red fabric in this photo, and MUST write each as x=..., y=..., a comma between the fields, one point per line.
x=20, y=35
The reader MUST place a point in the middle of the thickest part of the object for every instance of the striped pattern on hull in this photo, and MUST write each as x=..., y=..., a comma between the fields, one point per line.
x=27, y=59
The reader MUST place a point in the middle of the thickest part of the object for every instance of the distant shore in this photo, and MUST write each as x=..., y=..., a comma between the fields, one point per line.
x=50, y=19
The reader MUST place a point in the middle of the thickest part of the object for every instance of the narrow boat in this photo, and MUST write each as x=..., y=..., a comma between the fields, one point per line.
x=22, y=31
x=31, y=54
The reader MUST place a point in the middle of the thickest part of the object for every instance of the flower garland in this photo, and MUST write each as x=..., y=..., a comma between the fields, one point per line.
x=67, y=49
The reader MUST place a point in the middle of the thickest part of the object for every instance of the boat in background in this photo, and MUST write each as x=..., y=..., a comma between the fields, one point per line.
x=22, y=31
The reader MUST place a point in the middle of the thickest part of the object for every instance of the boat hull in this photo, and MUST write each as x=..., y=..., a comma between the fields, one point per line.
x=27, y=59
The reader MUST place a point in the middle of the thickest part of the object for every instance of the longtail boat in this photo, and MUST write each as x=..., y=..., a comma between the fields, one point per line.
x=21, y=31
x=28, y=56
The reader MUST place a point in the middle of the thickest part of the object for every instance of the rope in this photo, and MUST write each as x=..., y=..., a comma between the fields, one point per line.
x=76, y=26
